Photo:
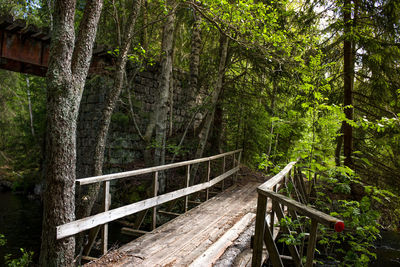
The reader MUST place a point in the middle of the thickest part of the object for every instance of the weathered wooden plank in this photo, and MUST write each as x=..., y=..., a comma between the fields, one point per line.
x=259, y=231
x=211, y=255
x=88, y=258
x=311, y=243
x=185, y=238
x=155, y=190
x=312, y=213
x=187, y=185
x=208, y=177
x=169, y=213
x=132, y=232
x=213, y=223
x=78, y=226
x=271, y=247
x=277, y=178
x=114, y=176
x=106, y=206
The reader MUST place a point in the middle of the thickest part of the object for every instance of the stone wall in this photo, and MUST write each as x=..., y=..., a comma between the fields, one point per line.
x=124, y=145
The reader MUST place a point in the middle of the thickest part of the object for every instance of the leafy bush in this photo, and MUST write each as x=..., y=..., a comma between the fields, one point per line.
x=22, y=261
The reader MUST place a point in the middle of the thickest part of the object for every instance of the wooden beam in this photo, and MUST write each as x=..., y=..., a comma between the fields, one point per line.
x=259, y=231
x=114, y=176
x=155, y=190
x=212, y=254
x=106, y=206
x=132, y=232
x=311, y=243
x=168, y=213
x=277, y=178
x=271, y=247
x=187, y=185
x=208, y=177
x=81, y=225
x=312, y=213
x=88, y=258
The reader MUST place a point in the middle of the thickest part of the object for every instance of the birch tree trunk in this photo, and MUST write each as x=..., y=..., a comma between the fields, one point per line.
x=203, y=136
x=162, y=104
x=68, y=67
x=87, y=199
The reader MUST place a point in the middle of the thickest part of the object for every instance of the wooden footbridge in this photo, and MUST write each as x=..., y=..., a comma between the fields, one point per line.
x=207, y=234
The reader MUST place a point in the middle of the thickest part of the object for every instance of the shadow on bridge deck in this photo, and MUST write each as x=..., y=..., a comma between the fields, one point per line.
x=196, y=238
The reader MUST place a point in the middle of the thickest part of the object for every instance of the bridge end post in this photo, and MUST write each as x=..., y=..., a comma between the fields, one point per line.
x=256, y=260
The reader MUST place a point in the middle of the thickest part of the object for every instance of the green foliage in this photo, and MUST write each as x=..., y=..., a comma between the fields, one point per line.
x=24, y=261
x=354, y=246
x=21, y=144
x=296, y=236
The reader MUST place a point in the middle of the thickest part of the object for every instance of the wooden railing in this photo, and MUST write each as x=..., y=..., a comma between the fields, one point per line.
x=107, y=216
x=281, y=205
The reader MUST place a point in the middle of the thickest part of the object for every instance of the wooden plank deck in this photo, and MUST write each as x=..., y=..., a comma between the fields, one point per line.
x=196, y=238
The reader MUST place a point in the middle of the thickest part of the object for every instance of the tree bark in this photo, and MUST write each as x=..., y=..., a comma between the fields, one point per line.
x=338, y=149
x=195, y=53
x=164, y=91
x=193, y=69
x=203, y=136
x=348, y=85
x=68, y=67
x=87, y=199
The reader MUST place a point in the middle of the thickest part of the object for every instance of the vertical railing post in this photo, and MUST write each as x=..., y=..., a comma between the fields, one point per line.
x=233, y=166
x=223, y=171
x=271, y=218
x=155, y=189
x=259, y=231
x=208, y=177
x=238, y=163
x=106, y=205
x=187, y=185
x=311, y=243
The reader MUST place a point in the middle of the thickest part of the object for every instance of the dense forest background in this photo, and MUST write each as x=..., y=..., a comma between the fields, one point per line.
x=319, y=80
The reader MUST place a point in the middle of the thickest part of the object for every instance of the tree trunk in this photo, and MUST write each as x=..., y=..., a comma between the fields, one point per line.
x=203, y=136
x=68, y=67
x=145, y=37
x=195, y=54
x=194, y=70
x=162, y=104
x=87, y=199
x=339, y=143
x=30, y=107
x=217, y=129
x=348, y=85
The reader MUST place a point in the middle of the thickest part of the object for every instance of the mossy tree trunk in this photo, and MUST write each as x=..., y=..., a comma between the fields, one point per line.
x=68, y=67
x=87, y=199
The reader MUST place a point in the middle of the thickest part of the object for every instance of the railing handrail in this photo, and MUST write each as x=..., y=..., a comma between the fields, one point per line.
x=107, y=216
x=113, y=176
x=264, y=229
x=310, y=212
x=268, y=185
